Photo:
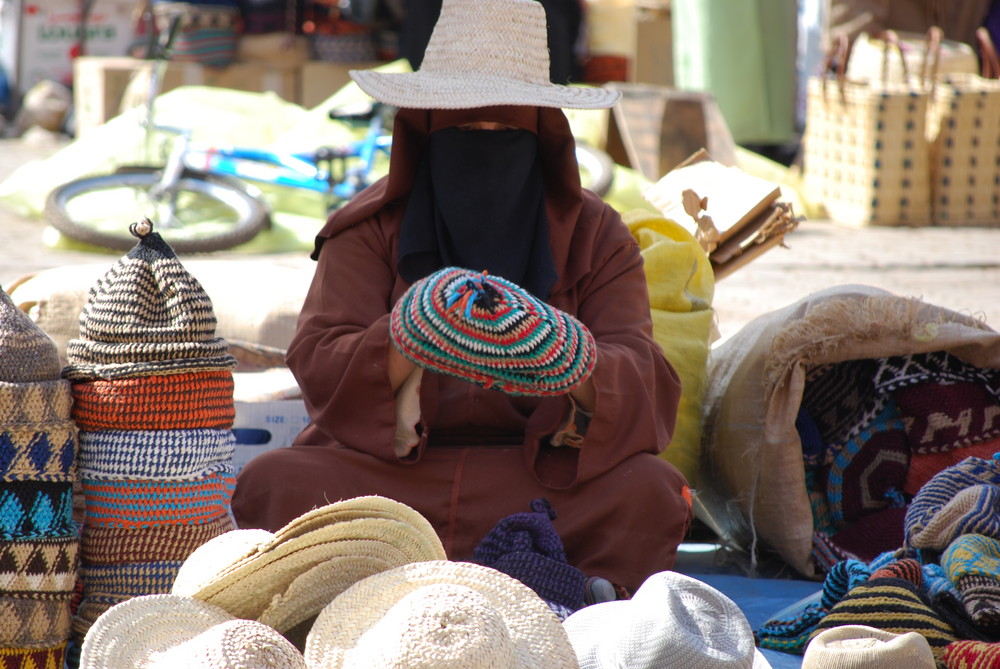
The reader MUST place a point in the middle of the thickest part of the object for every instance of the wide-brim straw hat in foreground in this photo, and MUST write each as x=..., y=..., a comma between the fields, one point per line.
x=483, y=53
x=673, y=620
x=171, y=632
x=439, y=614
x=284, y=579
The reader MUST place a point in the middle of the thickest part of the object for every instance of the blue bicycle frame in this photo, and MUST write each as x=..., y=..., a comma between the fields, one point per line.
x=303, y=170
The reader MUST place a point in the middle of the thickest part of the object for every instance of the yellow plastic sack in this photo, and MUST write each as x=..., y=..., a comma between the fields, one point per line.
x=681, y=288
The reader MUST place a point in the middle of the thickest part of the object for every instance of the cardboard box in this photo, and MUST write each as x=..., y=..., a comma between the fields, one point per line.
x=263, y=426
x=105, y=86
x=319, y=79
x=40, y=39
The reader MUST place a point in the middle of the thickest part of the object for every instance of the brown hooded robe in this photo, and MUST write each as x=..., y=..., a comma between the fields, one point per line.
x=483, y=455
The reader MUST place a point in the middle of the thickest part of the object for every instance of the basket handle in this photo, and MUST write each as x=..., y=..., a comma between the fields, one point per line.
x=891, y=40
x=988, y=54
x=837, y=54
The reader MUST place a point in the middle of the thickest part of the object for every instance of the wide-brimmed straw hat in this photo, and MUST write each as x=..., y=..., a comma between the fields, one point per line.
x=673, y=620
x=287, y=577
x=439, y=614
x=857, y=646
x=169, y=631
x=483, y=53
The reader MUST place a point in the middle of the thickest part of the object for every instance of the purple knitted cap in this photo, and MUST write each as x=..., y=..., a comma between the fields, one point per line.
x=527, y=547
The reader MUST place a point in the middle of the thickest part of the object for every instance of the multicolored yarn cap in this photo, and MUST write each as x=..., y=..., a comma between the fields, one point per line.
x=943, y=487
x=972, y=562
x=527, y=547
x=148, y=315
x=489, y=331
x=119, y=545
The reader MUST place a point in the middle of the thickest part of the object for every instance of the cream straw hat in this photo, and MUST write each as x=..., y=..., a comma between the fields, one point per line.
x=439, y=614
x=168, y=631
x=861, y=646
x=286, y=578
x=483, y=53
x=672, y=622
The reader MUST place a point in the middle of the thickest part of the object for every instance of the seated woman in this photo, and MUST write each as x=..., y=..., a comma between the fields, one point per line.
x=483, y=176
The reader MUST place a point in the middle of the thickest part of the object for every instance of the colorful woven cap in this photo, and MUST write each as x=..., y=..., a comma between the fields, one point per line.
x=942, y=490
x=673, y=620
x=168, y=631
x=439, y=614
x=972, y=563
x=526, y=546
x=483, y=53
x=148, y=315
x=487, y=330
x=287, y=577
x=861, y=647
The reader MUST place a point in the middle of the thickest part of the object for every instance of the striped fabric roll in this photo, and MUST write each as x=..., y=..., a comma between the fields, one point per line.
x=36, y=510
x=161, y=455
x=117, y=545
x=33, y=658
x=208, y=32
x=39, y=452
x=146, y=503
x=190, y=400
x=129, y=579
x=489, y=331
x=35, y=403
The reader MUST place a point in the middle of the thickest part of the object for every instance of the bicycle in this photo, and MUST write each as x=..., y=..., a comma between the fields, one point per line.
x=204, y=198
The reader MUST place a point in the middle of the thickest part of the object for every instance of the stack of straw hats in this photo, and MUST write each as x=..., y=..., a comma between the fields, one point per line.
x=153, y=399
x=358, y=583
x=39, y=542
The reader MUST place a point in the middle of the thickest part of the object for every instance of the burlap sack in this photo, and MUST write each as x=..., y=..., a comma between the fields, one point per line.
x=752, y=478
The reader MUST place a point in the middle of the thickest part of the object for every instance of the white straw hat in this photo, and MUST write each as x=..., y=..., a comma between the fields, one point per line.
x=672, y=621
x=285, y=578
x=483, y=53
x=169, y=631
x=861, y=646
x=439, y=614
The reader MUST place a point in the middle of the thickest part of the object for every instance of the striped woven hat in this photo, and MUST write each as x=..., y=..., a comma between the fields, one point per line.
x=148, y=315
x=164, y=402
x=148, y=502
x=118, y=545
x=972, y=562
x=163, y=455
x=487, y=330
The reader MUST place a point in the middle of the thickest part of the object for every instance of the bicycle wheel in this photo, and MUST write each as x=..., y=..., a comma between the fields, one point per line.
x=203, y=213
x=597, y=170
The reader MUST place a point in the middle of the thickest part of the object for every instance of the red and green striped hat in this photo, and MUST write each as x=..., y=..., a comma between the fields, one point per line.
x=491, y=332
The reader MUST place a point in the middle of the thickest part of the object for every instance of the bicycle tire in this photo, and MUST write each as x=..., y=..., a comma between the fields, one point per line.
x=245, y=214
x=597, y=170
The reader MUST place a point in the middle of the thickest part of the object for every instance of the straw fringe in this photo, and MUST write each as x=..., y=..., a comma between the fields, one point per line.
x=821, y=331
